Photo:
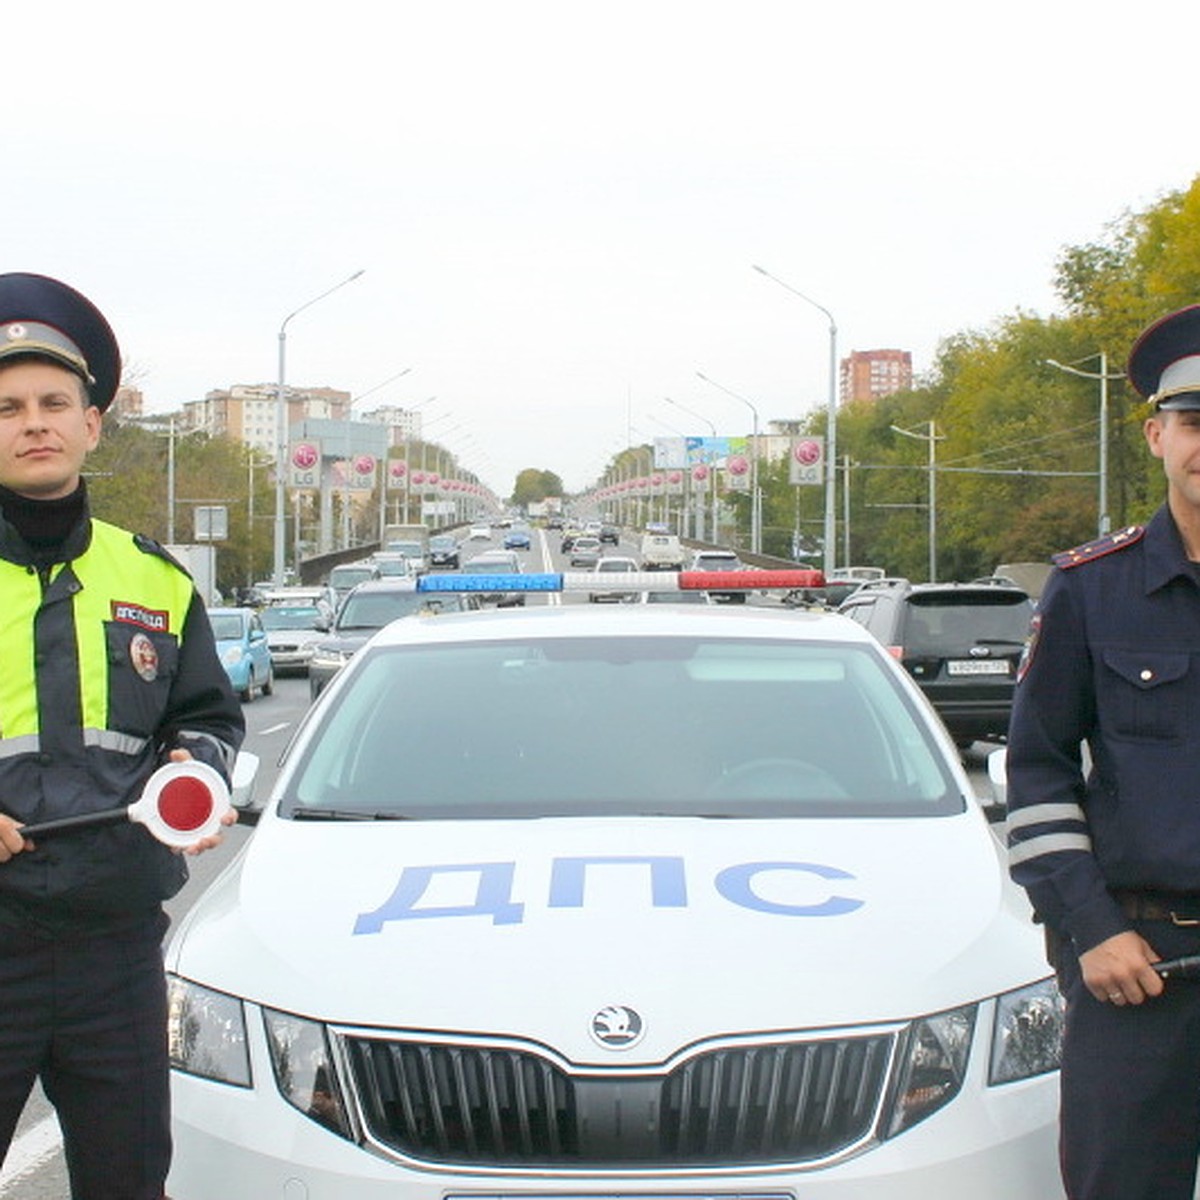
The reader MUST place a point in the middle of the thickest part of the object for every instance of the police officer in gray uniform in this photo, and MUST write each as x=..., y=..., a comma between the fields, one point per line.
x=1110, y=855
x=109, y=670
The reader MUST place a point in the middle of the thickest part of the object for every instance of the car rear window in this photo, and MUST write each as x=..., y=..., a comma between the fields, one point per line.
x=949, y=623
x=698, y=727
x=227, y=627
x=299, y=616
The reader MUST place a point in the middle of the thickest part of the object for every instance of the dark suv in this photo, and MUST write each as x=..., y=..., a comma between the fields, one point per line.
x=961, y=642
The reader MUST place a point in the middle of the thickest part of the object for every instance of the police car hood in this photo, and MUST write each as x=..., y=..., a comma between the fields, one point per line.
x=530, y=928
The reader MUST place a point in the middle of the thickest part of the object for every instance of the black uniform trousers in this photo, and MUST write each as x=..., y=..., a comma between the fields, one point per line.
x=1130, y=1126
x=87, y=1015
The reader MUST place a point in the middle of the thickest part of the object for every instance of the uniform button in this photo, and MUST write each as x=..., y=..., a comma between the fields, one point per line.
x=1147, y=675
x=45, y=759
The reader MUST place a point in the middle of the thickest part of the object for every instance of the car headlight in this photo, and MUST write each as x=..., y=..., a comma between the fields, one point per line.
x=233, y=656
x=206, y=1033
x=1027, y=1039
x=932, y=1060
x=304, y=1070
x=329, y=659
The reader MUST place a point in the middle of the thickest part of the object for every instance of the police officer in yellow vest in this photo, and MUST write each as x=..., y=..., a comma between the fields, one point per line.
x=108, y=669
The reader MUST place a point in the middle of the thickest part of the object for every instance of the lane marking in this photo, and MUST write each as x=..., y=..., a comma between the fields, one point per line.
x=274, y=728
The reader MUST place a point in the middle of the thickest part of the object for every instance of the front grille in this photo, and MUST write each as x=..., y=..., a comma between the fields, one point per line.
x=786, y=1102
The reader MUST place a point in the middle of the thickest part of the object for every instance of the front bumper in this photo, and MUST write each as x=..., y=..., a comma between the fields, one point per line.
x=294, y=660
x=989, y=1143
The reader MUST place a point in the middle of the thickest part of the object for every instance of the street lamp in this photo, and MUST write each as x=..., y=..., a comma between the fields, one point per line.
x=830, y=424
x=1104, y=522
x=755, y=498
x=712, y=483
x=932, y=438
x=281, y=430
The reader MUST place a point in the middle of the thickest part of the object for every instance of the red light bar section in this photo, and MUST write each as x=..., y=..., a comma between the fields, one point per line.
x=739, y=581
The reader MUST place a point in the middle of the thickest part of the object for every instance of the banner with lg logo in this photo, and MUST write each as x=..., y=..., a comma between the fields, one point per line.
x=807, y=461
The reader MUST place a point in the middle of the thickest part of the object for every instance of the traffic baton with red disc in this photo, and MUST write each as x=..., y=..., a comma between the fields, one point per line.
x=181, y=803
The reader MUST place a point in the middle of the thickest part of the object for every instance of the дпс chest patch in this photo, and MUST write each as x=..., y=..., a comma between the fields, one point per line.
x=127, y=613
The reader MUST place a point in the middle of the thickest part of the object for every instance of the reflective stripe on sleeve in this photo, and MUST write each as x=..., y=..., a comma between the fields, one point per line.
x=1041, y=814
x=109, y=739
x=1050, y=843
x=224, y=749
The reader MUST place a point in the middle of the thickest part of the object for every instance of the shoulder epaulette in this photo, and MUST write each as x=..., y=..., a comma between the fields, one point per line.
x=147, y=545
x=1121, y=539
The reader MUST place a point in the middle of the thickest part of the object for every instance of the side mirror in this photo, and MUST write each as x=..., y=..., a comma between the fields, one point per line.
x=995, y=806
x=241, y=789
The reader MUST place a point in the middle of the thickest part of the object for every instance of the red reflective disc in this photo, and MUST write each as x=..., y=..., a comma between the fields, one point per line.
x=185, y=803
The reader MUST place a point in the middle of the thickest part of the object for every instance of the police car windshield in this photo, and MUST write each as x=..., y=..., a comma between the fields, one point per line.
x=689, y=726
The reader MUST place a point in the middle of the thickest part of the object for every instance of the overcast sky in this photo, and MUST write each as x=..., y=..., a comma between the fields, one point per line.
x=556, y=204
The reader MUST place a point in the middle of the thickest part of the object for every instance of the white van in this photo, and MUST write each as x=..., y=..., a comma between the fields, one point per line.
x=661, y=552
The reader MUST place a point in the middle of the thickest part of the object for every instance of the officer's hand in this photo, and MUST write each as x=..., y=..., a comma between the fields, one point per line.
x=11, y=842
x=230, y=818
x=1118, y=970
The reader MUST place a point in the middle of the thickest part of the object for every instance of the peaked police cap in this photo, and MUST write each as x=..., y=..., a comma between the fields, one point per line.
x=1164, y=364
x=44, y=318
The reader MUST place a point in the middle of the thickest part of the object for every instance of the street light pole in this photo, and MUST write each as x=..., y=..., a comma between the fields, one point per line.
x=755, y=498
x=830, y=424
x=932, y=438
x=281, y=430
x=1104, y=521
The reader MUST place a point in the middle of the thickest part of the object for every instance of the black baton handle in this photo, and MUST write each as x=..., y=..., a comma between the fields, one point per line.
x=1186, y=967
x=110, y=816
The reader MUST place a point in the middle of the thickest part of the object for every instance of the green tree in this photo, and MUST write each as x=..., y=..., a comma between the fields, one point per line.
x=534, y=485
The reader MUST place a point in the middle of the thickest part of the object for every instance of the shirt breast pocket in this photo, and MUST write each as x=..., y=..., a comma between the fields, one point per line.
x=141, y=668
x=1148, y=693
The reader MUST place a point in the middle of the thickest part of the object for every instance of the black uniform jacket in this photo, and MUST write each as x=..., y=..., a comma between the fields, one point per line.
x=1113, y=662
x=110, y=663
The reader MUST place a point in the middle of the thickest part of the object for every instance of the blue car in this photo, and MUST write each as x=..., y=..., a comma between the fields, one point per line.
x=242, y=647
x=518, y=539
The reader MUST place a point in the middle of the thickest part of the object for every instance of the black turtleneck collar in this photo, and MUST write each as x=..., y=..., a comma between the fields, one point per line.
x=44, y=525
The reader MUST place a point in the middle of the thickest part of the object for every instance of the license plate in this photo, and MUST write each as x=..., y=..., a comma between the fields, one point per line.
x=619, y=1195
x=977, y=666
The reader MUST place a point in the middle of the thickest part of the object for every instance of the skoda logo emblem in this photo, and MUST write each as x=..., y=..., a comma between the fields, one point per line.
x=617, y=1027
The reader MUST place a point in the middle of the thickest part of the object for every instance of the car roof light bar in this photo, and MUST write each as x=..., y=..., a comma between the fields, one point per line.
x=633, y=581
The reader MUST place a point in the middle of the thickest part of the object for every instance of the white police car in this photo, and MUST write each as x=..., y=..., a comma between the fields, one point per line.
x=451, y=963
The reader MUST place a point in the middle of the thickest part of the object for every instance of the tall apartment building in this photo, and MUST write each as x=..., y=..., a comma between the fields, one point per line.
x=404, y=424
x=246, y=412
x=869, y=374
x=128, y=404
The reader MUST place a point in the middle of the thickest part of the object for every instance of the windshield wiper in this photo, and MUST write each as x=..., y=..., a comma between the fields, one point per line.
x=345, y=814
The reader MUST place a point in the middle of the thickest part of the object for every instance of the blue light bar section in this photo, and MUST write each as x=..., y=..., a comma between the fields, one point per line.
x=449, y=582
